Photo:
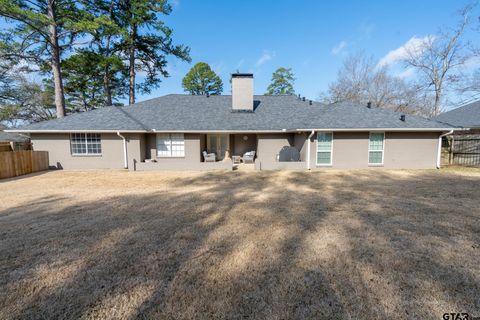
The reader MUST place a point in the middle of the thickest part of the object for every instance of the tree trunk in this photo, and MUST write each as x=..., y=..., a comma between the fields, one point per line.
x=84, y=101
x=133, y=36
x=106, y=76
x=438, y=98
x=55, y=62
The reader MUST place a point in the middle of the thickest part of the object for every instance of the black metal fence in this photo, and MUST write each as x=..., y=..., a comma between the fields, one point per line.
x=463, y=150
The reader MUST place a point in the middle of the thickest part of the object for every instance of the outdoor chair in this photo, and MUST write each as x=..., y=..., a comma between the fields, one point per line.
x=209, y=157
x=248, y=157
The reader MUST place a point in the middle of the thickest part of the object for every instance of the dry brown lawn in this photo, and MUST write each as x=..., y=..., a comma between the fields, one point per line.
x=267, y=245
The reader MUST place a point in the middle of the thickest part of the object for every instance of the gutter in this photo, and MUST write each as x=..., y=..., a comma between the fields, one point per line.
x=125, y=155
x=236, y=131
x=439, y=151
x=378, y=129
x=308, y=149
x=69, y=131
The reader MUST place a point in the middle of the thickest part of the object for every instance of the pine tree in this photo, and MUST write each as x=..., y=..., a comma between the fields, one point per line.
x=147, y=43
x=201, y=79
x=42, y=31
x=282, y=82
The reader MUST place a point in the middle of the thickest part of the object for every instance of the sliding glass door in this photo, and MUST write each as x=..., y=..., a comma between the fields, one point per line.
x=218, y=143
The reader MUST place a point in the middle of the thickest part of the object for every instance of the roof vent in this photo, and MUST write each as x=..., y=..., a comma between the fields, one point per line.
x=208, y=94
x=402, y=117
x=299, y=97
x=303, y=98
x=310, y=102
x=369, y=105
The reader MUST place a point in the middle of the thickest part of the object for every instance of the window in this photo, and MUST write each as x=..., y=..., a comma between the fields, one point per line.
x=324, y=148
x=86, y=144
x=376, y=148
x=170, y=145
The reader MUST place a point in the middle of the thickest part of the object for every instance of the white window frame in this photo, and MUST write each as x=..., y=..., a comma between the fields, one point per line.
x=174, y=141
x=85, y=140
x=383, y=149
x=331, y=151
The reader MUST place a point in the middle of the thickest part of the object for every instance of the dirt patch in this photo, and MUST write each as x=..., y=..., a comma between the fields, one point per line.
x=268, y=245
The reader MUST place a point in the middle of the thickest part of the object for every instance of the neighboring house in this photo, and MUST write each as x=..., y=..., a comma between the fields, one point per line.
x=463, y=146
x=13, y=141
x=174, y=130
x=12, y=137
x=467, y=116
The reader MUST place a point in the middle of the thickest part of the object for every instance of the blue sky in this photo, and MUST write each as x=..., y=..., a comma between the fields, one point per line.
x=311, y=37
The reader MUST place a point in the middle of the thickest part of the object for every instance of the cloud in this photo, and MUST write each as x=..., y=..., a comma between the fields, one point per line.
x=240, y=64
x=366, y=29
x=407, y=73
x=472, y=63
x=219, y=67
x=414, y=45
x=339, y=47
x=265, y=57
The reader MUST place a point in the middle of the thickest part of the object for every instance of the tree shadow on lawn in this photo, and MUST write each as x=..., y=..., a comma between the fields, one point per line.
x=263, y=245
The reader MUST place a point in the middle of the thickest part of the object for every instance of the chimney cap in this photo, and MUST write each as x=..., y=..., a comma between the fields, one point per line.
x=242, y=75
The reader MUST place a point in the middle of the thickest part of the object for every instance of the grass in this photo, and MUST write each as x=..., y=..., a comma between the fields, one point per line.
x=367, y=244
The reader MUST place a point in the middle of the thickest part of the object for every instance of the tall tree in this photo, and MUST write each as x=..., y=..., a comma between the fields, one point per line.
x=438, y=57
x=84, y=81
x=201, y=80
x=147, y=43
x=104, y=39
x=42, y=30
x=282, y=82
x=467, y=82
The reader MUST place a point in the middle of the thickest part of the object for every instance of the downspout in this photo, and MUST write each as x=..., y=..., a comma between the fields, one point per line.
x=439, y=151
x=125, y=156
x=308, y=149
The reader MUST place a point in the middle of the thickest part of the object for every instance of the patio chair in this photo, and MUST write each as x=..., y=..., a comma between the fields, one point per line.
x=248, y=157
x=209, y=157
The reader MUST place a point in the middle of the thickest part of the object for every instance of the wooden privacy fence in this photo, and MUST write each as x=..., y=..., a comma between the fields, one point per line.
x=15, y=145
x=463, y=150
x=17, y=163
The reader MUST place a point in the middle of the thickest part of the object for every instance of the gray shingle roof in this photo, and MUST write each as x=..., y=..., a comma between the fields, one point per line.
x=467, y=116
x=9, y=136
x=177, y=112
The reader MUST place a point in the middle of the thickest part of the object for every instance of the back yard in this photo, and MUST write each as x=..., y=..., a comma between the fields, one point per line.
x=274, y=245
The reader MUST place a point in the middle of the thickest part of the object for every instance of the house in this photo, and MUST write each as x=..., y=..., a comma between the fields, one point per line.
x=463, y=146
x=13, y=141
x=171, y=132
x=467, y=116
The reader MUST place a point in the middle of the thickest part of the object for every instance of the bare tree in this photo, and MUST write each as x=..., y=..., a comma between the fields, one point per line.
x=438, y=57
x=24, y=101
x=360, y=80
x=467, y=86
x=467, y=82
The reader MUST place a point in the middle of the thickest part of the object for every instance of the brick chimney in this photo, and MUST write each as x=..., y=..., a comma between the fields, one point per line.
x=242, y=92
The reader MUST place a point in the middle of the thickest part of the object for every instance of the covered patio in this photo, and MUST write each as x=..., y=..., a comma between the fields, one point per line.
x=222, y=146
